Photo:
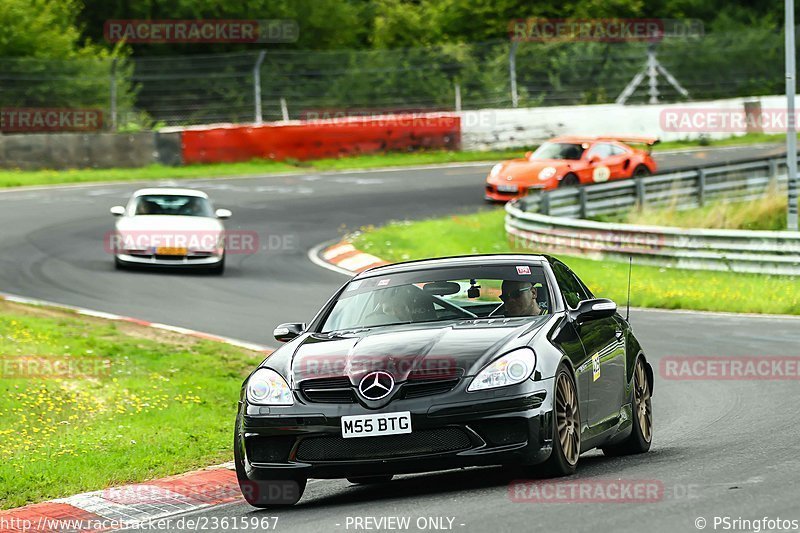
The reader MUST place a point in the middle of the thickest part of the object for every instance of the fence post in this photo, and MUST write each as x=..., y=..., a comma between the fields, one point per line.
x=284, y=110
x=257, y=86
x=582, y=202
x=512, y=71
x=544, y=204
x=641, y=195
x=773, y=172
x=701, y=187
x=458, y=97
x=113, y=96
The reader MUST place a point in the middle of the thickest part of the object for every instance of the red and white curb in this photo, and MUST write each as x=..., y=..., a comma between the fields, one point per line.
x=127, y=506
x=120, y=318
x=344, y=258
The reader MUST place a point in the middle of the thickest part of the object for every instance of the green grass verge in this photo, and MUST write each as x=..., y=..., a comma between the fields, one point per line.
x=18, y=178
x=768, y=213
x=652, y=286
x=163, y=404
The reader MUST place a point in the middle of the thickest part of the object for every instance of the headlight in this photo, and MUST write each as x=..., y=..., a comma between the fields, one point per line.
x=496, y=170
x=547, y=173
x=514, y=367
x=267, y=387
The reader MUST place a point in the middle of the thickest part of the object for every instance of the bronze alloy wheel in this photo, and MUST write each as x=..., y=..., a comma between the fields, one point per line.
x=568, y=419
x=644, y=407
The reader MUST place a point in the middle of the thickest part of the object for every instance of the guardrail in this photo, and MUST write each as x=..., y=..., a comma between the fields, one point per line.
x=684, y=189
x=762, y=252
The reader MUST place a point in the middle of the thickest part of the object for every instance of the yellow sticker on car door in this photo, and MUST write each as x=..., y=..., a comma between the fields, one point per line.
x=596, y=366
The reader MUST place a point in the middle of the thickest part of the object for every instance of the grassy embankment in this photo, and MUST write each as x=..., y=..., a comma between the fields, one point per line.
x=768, y=213
x=87, y=403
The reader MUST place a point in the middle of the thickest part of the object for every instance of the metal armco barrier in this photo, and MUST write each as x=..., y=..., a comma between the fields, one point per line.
x=685, y=189
x=762, y=252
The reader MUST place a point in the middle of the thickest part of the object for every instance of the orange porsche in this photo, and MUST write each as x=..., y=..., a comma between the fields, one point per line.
x=570, y=161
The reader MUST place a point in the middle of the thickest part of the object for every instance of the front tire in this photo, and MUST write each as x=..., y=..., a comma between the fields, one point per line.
x=641, y=436
x=265, y=494
x=563, y=459
x=570, y=180
x=218, y=269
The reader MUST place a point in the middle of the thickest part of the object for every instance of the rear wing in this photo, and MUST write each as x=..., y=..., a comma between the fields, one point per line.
x=649, y=141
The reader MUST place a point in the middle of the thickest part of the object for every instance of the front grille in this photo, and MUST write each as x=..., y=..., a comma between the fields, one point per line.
x=268, y=449
x=428, y=388
x=423, y=442
x=328, y=390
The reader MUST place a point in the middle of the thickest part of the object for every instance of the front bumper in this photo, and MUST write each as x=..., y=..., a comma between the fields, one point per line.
x=170, y=261
x=492, y=194
x=487, y=428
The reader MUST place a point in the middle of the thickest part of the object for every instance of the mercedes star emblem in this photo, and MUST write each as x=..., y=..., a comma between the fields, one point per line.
x=376, y=385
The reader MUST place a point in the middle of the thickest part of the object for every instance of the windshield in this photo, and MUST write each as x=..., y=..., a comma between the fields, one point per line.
x=170, y=204
x=570, y=151
x=440, y=295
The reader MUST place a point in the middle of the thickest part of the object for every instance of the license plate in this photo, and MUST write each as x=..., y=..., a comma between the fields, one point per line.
x=170, y=250
x=507, y=188
x=376, y=425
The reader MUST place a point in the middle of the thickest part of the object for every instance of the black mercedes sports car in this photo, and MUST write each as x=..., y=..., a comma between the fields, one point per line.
x=444, y=363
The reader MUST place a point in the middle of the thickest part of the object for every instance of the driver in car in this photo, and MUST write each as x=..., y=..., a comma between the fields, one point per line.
x=519, y=298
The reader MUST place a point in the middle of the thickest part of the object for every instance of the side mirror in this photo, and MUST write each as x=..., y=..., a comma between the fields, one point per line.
x=595, y=159
x=117, y=210
x=223, y=213
x=596, y=309
x=528, y=155
x=288, y=331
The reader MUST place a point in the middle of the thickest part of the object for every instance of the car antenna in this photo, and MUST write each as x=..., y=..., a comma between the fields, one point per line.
x=630, y=268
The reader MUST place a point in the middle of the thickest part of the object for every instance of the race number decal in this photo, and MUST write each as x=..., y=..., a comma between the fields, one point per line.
x=601, y=174
x=596, y=367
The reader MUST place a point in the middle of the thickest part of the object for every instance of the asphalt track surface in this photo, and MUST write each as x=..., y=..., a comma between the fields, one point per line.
x=721, y=448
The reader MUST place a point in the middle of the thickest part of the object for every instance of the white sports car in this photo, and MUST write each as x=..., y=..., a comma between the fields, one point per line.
x=169, y=228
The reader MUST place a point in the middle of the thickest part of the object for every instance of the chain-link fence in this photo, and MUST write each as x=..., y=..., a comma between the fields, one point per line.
x=275, y=84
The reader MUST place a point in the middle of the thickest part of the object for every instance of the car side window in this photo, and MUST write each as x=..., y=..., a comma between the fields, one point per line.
x=617, y=150
x=602, y=150
x=569, y=285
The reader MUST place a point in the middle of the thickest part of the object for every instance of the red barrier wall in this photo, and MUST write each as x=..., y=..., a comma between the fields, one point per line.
x=324, y=138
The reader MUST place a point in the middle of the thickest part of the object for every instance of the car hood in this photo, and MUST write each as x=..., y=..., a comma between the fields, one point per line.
x=455, y=348
x=168, y=223
x=524, y=170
